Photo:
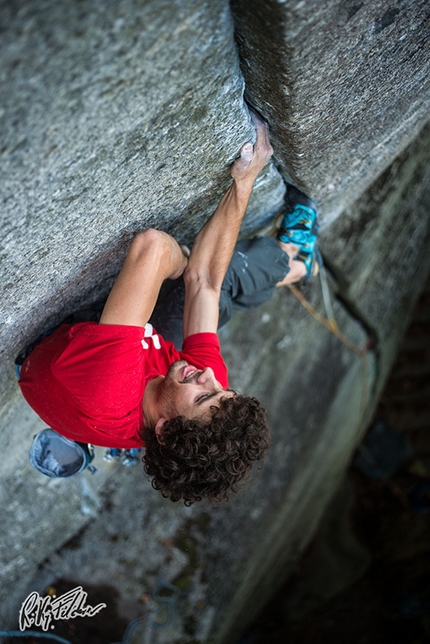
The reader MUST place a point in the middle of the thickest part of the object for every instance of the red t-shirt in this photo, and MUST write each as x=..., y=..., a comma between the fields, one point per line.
x=87, y=381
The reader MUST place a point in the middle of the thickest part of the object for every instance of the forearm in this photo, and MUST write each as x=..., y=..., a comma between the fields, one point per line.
x=214, y=245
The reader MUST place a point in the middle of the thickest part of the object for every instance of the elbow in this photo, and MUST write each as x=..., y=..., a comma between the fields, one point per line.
x=146, y=239
x=200, y=278
x=150, y=243
x=195, y=275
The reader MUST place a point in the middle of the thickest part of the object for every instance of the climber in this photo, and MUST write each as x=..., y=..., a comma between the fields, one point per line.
x=119, y=383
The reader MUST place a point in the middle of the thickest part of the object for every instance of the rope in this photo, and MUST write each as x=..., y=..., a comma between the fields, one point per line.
x=331, y=324
x=33, y=634
x=165, y=603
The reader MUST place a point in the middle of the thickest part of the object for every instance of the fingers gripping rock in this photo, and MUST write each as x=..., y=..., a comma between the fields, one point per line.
x=247, y=152
x=253, y=157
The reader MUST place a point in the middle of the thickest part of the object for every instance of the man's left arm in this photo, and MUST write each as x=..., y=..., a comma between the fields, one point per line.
x=152, y=257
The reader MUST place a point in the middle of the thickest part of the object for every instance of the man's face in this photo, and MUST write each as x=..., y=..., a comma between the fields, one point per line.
x=191, y=392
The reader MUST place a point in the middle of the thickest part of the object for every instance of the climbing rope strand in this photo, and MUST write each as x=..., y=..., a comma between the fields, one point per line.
x=331, y=324
x=34, y=634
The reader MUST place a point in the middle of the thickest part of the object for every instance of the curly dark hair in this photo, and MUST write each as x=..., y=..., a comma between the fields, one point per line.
x=200, y=460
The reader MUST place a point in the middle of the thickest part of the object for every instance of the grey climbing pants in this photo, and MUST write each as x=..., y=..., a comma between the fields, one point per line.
x=256, y=266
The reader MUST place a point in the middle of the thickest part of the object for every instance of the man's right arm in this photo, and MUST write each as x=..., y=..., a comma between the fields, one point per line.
x=214, y=245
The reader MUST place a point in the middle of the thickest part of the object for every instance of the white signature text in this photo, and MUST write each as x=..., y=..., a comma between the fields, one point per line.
x=40, y=611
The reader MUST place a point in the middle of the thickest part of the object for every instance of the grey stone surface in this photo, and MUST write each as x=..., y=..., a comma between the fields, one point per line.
x=299, y=368
x=120, y=116
x=38, y=517
x=228, y=559
x=335, y=561
x=379, y=247
x=344, y=85
x=113, y=117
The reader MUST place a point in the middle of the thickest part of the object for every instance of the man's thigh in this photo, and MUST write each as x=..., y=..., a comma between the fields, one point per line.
x=258, y=264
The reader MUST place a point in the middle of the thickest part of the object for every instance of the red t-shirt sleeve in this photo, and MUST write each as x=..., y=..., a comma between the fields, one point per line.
x=102, y=368
x=203, y=350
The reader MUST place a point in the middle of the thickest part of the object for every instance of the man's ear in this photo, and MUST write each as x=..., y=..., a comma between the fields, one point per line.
x=159, y=429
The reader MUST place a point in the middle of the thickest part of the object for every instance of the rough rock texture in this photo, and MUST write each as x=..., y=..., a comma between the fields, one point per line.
x=226, y=560
x=384, y=258
x=344, y=85
x=336, y=559
x=103, y=134
x=118, y=116
x=114, y=117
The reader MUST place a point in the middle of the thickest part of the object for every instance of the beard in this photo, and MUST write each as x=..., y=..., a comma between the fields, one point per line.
x=173, y=372
x=168, y=390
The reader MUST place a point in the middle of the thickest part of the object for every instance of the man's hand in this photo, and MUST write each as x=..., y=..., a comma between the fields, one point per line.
x=252, y=158
x=178, y=257
x=214, y=245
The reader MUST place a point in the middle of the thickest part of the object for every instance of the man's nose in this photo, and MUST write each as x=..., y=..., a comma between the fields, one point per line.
x=206, y=375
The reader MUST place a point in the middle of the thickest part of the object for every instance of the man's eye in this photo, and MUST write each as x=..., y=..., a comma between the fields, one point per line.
x=202, y=397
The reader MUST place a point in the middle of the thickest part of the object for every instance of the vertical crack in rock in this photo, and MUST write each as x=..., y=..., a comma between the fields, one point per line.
x=344, y=85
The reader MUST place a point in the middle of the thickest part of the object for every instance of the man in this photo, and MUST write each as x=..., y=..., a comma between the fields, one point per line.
x=118, y=383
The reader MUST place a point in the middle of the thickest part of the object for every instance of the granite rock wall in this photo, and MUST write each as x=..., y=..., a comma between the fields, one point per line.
x=119, y=116
x=343, y=83
x=114, y=117
x=104, y=134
